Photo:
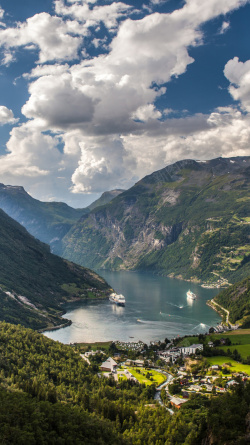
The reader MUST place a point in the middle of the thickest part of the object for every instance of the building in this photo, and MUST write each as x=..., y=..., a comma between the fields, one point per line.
x=175, y=401
x=191, y=349
x=108, y=366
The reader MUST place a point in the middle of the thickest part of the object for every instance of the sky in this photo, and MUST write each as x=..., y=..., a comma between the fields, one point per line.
x=94, y=95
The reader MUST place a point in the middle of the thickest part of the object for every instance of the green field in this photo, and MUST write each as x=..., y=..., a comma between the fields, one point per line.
x=238, y=337
x=83, y=347
x=240, y=340
x=244, y=350
x=140, y=375
x=236, y=367
x=188, y=341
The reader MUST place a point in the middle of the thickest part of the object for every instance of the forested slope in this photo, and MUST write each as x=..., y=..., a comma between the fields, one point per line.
x=47, y=221
x=34, y=282
x=236, y=300
x=48, y=394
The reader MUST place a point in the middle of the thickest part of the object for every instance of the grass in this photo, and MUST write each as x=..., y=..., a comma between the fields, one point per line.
x=244, y=350
x=188, y=341
x=94, y=346
x=157, y=377
x=238, y=337
x=236, y=367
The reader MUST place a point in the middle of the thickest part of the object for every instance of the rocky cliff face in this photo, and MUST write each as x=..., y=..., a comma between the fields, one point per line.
x=183, y=219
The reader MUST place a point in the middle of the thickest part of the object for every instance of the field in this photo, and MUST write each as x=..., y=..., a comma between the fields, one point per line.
x=240, y=336
x=240, y=340
x=103, y=345
x=140, y=375
x=236, y=367
x=188, y=341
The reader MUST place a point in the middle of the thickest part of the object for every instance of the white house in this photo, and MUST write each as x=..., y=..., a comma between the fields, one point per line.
x=109, y=366
x=191, y=349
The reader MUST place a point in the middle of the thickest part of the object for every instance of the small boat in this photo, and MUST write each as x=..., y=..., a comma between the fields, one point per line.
x=191, y=295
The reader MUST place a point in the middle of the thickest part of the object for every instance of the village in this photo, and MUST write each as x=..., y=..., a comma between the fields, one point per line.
x=177, y=368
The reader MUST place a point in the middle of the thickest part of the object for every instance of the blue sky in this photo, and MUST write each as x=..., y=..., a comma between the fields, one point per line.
x=96, y=94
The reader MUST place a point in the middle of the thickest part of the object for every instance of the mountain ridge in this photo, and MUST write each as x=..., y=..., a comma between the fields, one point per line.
x=164, y=221
x=34, y=283
x=47, y=221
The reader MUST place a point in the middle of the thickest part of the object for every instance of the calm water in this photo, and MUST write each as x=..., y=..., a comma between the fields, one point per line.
x=156, y=308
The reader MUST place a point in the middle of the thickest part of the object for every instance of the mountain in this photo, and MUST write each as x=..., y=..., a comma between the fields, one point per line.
x=105, y=198
x=236, y=300
x=47, y=221
x=34, y=283
x=189, y=220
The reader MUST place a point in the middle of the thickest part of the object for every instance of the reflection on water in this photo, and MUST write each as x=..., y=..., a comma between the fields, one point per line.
x=156, y=308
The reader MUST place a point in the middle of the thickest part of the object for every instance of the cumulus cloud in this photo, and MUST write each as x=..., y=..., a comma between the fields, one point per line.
x=6, y=116
x=1, y=12
x=238, y=74
x=107, y=14
x=51, y=35
x=58, y=105
x=146, y=112
x=103, y=108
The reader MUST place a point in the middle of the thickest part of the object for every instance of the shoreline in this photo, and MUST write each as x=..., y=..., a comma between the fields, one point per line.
x=69, y=322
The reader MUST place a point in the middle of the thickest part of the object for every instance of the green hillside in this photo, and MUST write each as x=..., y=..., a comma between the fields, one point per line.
x=49, y=395
x=47, y=221
x=189, y=220
x=34, y=283
x=236, y=300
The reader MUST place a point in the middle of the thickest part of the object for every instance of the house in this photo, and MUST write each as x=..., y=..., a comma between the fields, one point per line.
x=210, y=344
x=139, y=363
x=176, y=402
x=191, y=349
x=215, y=367
x=108, y=366
x=232, y=383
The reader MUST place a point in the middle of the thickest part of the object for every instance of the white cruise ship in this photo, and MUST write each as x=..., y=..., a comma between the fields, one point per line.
x=191, y=295
x=118, y=299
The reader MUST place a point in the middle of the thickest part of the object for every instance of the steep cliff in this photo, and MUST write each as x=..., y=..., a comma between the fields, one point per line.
x=189, y=219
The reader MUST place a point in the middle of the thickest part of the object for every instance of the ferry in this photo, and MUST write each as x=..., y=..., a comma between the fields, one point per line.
x=191, y=295
x=118, y=299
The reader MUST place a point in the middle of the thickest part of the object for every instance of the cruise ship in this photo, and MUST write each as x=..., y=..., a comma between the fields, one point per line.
x=118, y=299
x=191, y=295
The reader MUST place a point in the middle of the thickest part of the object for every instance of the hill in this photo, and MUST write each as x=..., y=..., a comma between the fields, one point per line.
x=47, y=221
x=49, y=394
x=189, y=220
x=34, y=283
x=105, y=198
x=236, y=300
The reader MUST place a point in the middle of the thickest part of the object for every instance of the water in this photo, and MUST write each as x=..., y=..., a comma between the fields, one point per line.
x=156, y=308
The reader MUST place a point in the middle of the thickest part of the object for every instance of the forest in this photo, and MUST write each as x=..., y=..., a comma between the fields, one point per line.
x=48, y=392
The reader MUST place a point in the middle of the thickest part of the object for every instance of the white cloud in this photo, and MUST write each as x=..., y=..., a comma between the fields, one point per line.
x=50, y=34
x=224, y=27
x=146, y=112
x=1, y=12
x=107, y=14
x=58, y=105
x=238, y=74
x=92, y=103
x=6, y=116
